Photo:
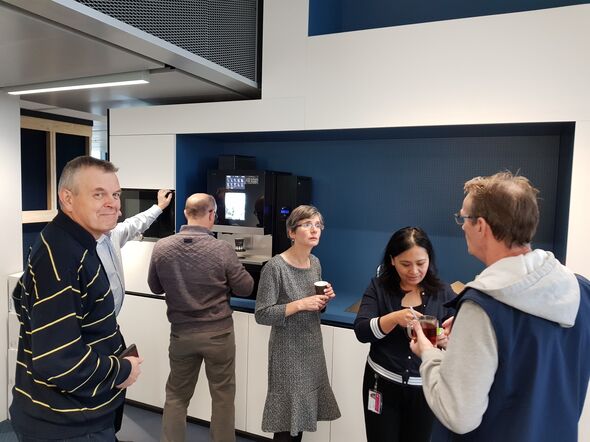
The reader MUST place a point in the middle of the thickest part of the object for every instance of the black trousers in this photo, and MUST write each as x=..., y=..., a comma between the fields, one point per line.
x=405, y=415
x=285, y=436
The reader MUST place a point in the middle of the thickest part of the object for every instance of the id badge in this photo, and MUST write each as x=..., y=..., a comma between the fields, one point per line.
x=375, y=403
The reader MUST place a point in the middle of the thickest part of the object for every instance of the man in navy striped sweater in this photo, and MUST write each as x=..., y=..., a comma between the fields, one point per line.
x=69, y=380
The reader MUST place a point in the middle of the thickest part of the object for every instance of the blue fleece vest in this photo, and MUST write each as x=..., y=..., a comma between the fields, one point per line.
x=543, y=369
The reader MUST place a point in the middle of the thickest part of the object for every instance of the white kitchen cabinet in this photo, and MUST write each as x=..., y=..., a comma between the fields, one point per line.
x=324, y=428
x=144, y=161
x=257, y=375
x=136, y=257
x=144, y=323
x=242, y=331
x=348, y=365
x=12, y=337
x=13, y=330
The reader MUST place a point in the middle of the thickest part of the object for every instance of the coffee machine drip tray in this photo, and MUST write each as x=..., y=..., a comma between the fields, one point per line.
x=253, y=259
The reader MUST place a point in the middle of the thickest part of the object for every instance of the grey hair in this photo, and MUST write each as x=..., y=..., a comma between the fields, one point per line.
x=67, y=179
x=301, y=213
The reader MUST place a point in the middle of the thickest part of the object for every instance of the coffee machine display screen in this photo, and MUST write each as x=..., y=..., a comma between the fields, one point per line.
x=235, y=182
x=240, y=197
x=235, y=206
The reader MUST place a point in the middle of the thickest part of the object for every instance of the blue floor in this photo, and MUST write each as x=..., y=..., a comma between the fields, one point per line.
x=139, y=425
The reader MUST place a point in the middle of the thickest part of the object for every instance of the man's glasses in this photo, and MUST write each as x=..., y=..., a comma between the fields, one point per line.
x=308, y=226
x=460, y=219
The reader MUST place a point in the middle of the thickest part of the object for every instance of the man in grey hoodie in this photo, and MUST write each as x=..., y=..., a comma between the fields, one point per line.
x=517, y=364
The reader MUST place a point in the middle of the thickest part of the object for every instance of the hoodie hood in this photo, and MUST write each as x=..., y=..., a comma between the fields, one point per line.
x=535, y=283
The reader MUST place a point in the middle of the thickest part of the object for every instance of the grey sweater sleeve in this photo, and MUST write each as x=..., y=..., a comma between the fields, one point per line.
x=239, y=280
x=153, y=278
x=457, y=381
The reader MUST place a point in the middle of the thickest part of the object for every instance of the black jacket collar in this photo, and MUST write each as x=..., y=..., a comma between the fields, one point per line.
x=82, y=235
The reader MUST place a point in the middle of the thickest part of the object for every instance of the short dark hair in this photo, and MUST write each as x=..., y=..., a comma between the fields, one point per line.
x=402, y=240
x=509, y=205
x=67, y=179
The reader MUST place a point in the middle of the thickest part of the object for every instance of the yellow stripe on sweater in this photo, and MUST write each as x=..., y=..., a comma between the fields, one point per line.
x=50, y=257
x=63, y=318
x=118, y=370
x=99, y=320
x=61, y=347
x=104, y=296
x=102, y=339
x=31, y=374
x=67, y=410
x=73, y=368
x=34, y=281
x=95, y=276
x=52, y=296
x=89, y=377
x=103, y=379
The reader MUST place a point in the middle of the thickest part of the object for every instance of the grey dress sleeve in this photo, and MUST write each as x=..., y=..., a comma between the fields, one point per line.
x=268, y=311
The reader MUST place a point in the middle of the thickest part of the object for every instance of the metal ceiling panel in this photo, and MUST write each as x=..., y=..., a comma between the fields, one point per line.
x=101, y=26
x=52, y=40
x=35, y=51
x=165, y=87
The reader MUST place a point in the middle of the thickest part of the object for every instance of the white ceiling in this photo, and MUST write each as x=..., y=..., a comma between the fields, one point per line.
x=51, y=40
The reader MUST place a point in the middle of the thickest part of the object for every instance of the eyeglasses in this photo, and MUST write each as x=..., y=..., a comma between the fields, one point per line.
x=460, y=219
x=308, y=226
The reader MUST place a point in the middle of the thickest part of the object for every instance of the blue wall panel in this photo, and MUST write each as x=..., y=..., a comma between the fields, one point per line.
x=194, y=156
x=366, y=189
x=33, y=147
x=333, y=16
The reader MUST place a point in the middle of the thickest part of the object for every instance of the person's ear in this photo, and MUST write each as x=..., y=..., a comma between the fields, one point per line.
x=483, y=226
x=66, y=199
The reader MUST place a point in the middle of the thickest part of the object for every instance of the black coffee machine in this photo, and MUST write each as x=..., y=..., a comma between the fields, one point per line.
x=258, y=200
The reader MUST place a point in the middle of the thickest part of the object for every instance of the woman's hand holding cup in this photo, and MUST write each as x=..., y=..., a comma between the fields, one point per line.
x=313, y=303
x=420, y=342
x=324, y=288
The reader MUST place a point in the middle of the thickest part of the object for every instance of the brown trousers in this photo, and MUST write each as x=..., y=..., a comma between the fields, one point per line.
x=186, y=353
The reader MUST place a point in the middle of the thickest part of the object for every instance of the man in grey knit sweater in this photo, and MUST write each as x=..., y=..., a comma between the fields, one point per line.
x=198, y=273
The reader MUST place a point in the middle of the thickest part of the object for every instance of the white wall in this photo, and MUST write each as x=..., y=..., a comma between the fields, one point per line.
x=578, y=232
x=522, y=67
x=505, y=68
x=10, y=219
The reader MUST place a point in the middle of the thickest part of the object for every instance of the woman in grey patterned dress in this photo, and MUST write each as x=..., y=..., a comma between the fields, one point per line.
x=299, y=393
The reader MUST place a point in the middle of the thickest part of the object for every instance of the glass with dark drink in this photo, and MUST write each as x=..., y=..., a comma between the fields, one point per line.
x=429, y=326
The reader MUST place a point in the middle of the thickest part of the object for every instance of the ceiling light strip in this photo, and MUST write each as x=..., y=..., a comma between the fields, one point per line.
x=128, y=78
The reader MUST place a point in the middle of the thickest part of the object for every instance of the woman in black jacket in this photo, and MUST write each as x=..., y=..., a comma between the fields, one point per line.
x=407, y=286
